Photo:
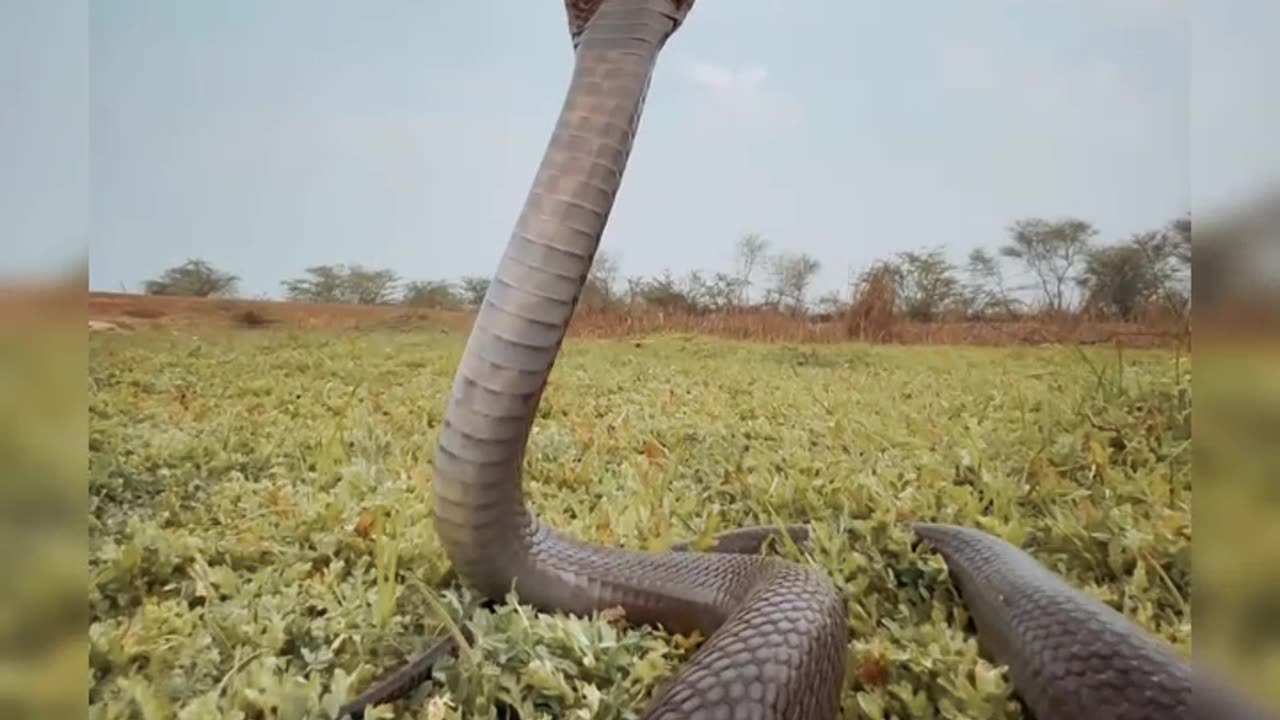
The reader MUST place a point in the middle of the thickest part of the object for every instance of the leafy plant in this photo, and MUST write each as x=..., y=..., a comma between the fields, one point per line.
x=261, y=541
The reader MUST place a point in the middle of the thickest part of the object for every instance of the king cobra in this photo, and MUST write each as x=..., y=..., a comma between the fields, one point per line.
x=776, y=631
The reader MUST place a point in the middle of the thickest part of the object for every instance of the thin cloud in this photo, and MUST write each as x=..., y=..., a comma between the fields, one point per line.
x=723, y=79
x=740, y=101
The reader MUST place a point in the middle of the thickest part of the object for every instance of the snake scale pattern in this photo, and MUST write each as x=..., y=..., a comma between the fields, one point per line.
x=776, y=631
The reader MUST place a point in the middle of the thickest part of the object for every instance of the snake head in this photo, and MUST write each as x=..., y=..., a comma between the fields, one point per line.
x=581, y=12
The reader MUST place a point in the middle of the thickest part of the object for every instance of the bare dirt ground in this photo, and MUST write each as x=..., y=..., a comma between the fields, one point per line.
x=124, y=312
x=130, y=311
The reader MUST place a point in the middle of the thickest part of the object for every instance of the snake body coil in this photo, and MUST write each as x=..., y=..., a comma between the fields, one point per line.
x=776, y=631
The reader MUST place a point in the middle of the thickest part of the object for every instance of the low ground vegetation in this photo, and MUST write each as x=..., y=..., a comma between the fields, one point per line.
x=261, y=545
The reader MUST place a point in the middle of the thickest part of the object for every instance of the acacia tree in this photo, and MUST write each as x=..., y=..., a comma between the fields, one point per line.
x=1148, y=267
x=365, y=286
x=1169, y=252
x=321, y=284
x=792, y=274
x=600, y=290
x=473, y=289
x=433, y=294
x=831, y=303
x=927, y=284
x=1051, y=250
x=986, y=289
x=664, y=292
x=1118, y=279
x=1179, y=230
x=723, y=291
x=341, y=284
x=749, y=252
x=193, y=278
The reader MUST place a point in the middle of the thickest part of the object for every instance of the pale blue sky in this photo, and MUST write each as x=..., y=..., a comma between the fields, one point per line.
x=266, y=137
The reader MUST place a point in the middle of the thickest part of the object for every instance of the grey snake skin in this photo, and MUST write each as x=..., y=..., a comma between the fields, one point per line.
x=777, y=632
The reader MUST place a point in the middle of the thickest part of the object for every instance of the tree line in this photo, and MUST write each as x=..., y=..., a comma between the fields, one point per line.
x=1043, y=266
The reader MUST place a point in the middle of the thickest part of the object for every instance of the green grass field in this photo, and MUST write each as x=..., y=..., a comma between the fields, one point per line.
x=261, y=545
